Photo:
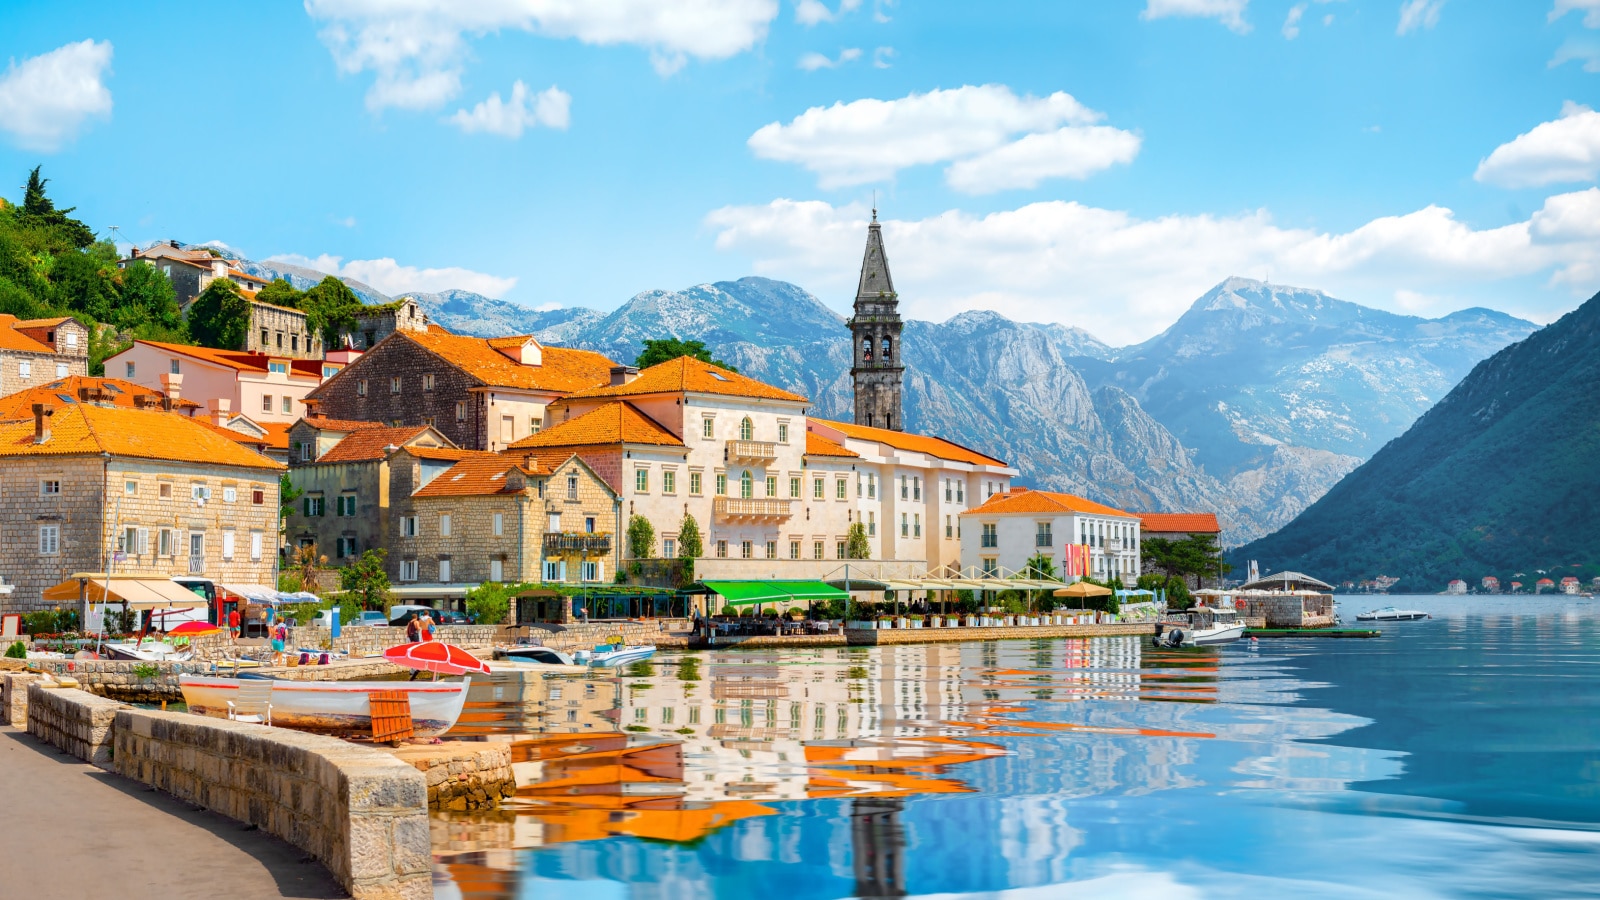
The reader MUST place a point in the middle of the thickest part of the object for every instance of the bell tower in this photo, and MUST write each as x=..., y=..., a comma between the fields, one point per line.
x=876, y=363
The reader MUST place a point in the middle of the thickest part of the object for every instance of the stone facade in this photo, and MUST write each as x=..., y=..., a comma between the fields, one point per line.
x=374, y=323
x=117, y=679
x=462, y=775
x=14, y=697
x=77, y=722
x=42, y=351
x=877, y=369
x=364, y=391
x=281, y=332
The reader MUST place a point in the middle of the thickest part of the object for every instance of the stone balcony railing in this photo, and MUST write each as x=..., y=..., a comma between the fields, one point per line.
x=577, y=542
x=751, y=508
x=752, y=450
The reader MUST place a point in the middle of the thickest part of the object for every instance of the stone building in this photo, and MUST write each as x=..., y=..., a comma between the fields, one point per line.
x=877, y=368
x=145, y=492
x=37, y=351
x=481, y=393
x=376, y=322
x=315, y=435
x=1009, y=528
x=191, y=270
x=1178, y=526
x=281, y=332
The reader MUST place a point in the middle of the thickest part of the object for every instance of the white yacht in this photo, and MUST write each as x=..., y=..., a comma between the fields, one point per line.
x=1391, y=614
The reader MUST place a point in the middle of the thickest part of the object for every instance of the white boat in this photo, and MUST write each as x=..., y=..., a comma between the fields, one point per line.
x=614, y=654
x=1391, y=614
x=543, y=655
x=147, y=651
x=1220, y=626
x=333, y=707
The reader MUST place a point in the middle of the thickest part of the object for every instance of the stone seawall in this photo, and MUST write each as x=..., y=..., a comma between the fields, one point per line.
x=117, y=679
x=462, y=775
x=885, y=636
x=73, y=720
x=371, y=640
x=14, y=698
x=736, y=641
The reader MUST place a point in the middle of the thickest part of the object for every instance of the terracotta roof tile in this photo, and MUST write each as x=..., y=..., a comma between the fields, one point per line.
x=233, y=359
x=42, y=323
x=1191, y=523
x=116, y=391
x=561, y=369
x=613, y=423
x=12, y=339
x=900, y=440
x=689, y=375
x=817, y=445
x=322, y=423
x=444, y=453
x=368, y=443
x=145, y=434
x=477, y=475
x=1036, y=502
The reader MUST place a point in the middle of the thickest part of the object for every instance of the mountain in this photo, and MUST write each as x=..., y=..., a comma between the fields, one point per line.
x=1498, y=478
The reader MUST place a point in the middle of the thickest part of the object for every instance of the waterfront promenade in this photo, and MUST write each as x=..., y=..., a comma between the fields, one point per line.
x=75, y=831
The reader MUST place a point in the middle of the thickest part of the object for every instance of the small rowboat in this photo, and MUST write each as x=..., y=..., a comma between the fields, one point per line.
x=340, y=708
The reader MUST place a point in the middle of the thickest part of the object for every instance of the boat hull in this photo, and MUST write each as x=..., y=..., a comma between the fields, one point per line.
x=1221, y=634
x=149, y=651
x=614, y=658
x=339, y=708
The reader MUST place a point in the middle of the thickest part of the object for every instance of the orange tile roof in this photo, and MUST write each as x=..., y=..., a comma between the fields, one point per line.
x=238, y=437
x=64, y=391
x=689, y=375
x=817, y=445
x=42, y=323
x=613, y=423
x=12, y=339
x=1036, y=502
x=561, y=369
x=322, y=423
x=1190, y=523
x=368, y=443
x=477, y=475
x=145, y=434
x=901, y=440
x=445, y=453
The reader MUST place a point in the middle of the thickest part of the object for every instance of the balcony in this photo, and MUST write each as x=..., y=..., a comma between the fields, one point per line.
x=1043, y=539
x=751, y=508
x=577, y=542
x=197, y=565
x=752, y=451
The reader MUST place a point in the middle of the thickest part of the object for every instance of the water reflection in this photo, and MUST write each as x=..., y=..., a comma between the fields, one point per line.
x=898, y=771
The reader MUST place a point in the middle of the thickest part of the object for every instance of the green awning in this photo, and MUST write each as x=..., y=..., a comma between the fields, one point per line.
x=746, y=593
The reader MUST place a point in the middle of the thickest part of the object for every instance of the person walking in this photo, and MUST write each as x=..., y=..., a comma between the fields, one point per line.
x=413, y=630
x=425, y=626
x=233, y=625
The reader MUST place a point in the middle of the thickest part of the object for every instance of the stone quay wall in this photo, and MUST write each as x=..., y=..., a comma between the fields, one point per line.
x=462, y=775
x=736, y=641
x=883, y=636
x=116, y=678
x=584, y=636
x=358, y=640
x=358, y=810
x=14, y=697
x=75, y=721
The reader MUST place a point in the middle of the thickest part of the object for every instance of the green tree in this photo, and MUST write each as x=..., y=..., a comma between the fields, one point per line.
x=365, y=581
x=281, y=293
x=490, y=602
x=40, y=213
x=667, y=349
x=287, y=495
x=856, y=545
x=84, y=283
x=220, y=316
x=690, y=544
x=148, y=302
x=330, y=308
x=641, y=538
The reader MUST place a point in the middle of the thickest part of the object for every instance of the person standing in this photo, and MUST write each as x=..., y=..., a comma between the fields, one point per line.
x=233, y=625
x=425, y=626
x=413, y=630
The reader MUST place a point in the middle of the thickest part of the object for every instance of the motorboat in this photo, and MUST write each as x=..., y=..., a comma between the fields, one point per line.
x=147, y=651
x=544, y=655
x=1392, y=614
x=614, y=654
x=1205, y=626
x=339, y=708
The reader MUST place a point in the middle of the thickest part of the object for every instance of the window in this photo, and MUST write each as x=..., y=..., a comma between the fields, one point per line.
x=508, y=429
x=872, y=486
x=916, y=525
x=746, y=485
x=173, y=367
x=294, y=343
x=303, y=450
x=345, y=505
x=49, y=540
x=722, y=549
x=722, y=484
x=553, y=571
x=991, y=535
x=947, y=492
x=266, y=403
x=395, y=381
x=991, y=567
x=227, y=545
x=499, y=524
x=591, y=570
x=346, y=547
x=904, y=494
x=905, y=525
x=361, y=388
x=745, y=550
x=24, y=369
x=872, y=524
x=772, y=549
x=461, y=410
x=258, y=496
x=129, y=367
x=329, y=371
x=444, y=525
x=444, y=572
x=916, y=488
x=61, y=370
x=408, y=570
x=129, y=544
x=408, y=526
x=265, y=339
x=816, y=550
x=50, y=488
x=641, y=479
x=255, y=545
x=816, y=488
x=427, y=381
x=572, y=487
x=783, y=432
x=278, y=368
x=949, y=528
x=165, y=490
x=669, y=548
x=497, y=570
x=164, y=539
x=961, y=491
x=588, y=524
x=555, y=522
x=694, y=483
x=794, y=549
x=312, y=506
x=841, y=489
x=772, y=485
x=288, y=404
x=708, y=427
x=838, y=550
x=1041, y=536
x=279, y=336
x=794, y=486
x=669, y=482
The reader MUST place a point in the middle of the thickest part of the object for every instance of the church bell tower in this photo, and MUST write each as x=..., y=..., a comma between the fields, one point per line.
x=876, y=366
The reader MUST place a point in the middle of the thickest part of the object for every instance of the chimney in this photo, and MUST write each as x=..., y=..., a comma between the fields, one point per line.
x=41, y=422
x=174, y=245
x=623, y=374
x=172, y=386
x=219, y=409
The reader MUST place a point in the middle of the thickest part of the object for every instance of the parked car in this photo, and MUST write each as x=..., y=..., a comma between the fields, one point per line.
x=372, y=617
x=400, y=616
x=452, y=617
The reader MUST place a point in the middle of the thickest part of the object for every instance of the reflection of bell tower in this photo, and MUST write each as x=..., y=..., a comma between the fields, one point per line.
x=876, y=366
x=878, y=846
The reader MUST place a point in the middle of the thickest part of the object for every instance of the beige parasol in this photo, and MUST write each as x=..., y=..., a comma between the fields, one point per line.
x=1083, y=589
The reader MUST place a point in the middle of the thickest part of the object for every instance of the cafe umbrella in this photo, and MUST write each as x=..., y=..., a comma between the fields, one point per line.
x=436, y=657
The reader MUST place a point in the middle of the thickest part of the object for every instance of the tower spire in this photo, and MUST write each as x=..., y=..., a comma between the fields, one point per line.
x=876, y=368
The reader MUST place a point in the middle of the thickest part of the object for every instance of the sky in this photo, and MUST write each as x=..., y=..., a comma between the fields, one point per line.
x=1098, y=163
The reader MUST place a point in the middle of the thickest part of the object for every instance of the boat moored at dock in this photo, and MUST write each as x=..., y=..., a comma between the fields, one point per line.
x=339, y=708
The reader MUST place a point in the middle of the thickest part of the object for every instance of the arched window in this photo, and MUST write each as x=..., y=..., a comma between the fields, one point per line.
x=747, y=430
x=746, y=487
x=888, y=350
x=866, y=349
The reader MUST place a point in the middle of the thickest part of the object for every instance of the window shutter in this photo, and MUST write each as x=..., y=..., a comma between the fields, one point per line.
x=561, y=568
x=599, y=571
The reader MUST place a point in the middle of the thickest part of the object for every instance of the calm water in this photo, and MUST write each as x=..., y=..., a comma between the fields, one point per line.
x=1454, y=757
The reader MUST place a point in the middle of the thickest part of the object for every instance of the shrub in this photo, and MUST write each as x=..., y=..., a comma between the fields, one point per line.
x=729, y=611
x=145, y=670
x=17, y=650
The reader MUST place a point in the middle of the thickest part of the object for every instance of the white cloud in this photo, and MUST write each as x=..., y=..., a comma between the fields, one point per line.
x=1416, y=14
x=547, y=307
x=1228, y=12
x=1589, y=8
x=1124, y=278
x=870, y=140
x=46, y=100
x=815, y=12
x=394, y=279
x=1291, y=24
x=346, y=222
x=550, y=108
x=1586, y=50
x=881, y=57
x=416, y=48
x=1070, y=152
x=814, y=61
x=1565, y=150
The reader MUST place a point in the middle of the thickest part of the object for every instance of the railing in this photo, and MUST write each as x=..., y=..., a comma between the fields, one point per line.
x=1042, y=539
x=577, y=542
x=752, y=450
x=197, y=565
x=990, y=540
x=750, y=507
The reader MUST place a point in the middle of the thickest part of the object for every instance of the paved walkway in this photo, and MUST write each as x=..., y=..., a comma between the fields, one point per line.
x=69, y=830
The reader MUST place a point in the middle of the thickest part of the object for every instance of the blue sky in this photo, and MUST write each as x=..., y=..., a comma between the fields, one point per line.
x=1094, y=163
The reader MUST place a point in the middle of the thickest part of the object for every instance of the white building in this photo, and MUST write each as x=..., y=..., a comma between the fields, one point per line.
x=1009, y=528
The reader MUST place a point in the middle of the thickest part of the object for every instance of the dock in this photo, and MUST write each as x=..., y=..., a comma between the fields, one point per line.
x=1314, y=632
